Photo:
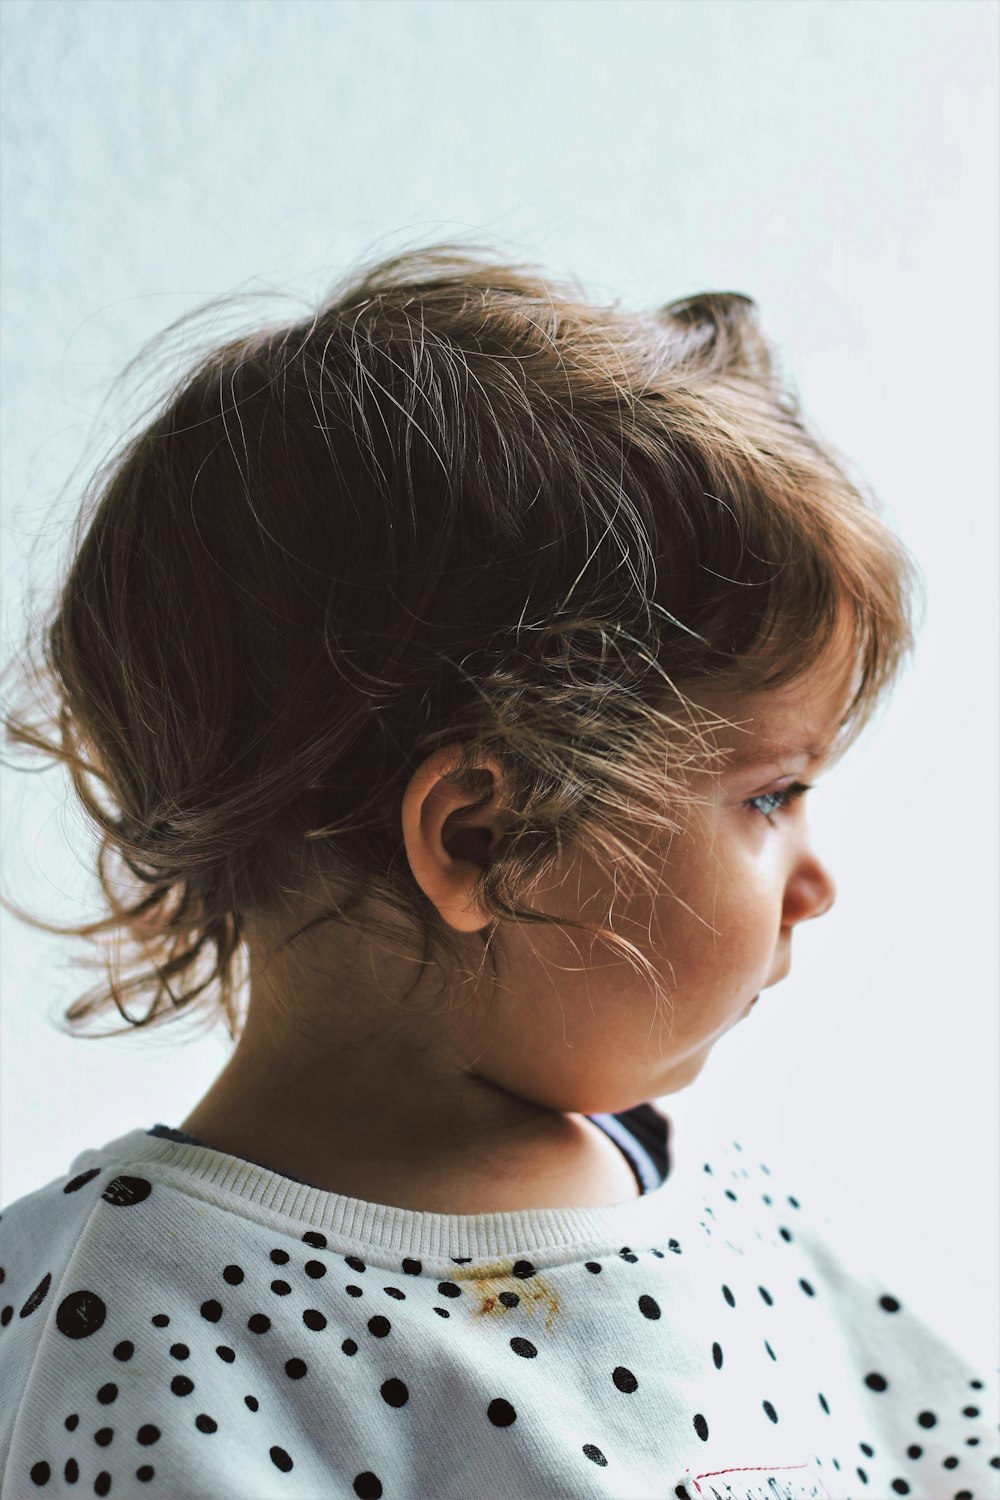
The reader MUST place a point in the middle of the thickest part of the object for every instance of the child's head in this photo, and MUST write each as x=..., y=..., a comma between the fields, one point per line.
x=439, y=620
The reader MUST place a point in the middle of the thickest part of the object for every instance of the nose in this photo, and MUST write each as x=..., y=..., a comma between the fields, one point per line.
x=810, y=892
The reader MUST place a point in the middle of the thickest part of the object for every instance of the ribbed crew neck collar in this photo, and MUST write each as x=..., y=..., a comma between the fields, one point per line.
x=257, y=1193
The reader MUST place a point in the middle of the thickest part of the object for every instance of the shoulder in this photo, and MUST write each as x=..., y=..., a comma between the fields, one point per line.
x=152, y=1335
x=73, y=1256
x=37, y=1236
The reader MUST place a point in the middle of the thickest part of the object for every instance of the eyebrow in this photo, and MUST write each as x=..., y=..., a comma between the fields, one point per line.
x=766, y=754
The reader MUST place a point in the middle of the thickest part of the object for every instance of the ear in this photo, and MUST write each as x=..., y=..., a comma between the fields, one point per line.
x=448, y=837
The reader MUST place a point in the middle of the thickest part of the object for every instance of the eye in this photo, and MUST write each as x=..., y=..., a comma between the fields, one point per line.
x=771, y=802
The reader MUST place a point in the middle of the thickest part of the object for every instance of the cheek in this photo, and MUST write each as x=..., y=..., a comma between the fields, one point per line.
x=709, y=929
x=722, y=942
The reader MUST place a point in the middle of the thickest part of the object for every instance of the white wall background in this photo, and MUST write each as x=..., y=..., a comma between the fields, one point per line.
x=837, y=161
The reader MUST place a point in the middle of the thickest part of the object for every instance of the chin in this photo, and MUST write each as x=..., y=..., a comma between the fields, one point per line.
x=685, y=1072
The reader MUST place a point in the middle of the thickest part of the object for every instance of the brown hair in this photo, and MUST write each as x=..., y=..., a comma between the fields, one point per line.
x=458, y=502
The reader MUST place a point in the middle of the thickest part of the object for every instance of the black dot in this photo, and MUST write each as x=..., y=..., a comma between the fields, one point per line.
x=314, y=1320
x=353, y=1261
x=970, y=1411
x=103, y=1436
x=295, y=1368
x=233, y=1274
x=701, y=1427
x=102, y=1483
x=314, y=1238
x=40, y=1472
x=522, y=1269
x=108, y=1393
x=211, y=1310
x=595, y=1455
x=180, y=1351
x=181, y=1385
x=205, y=1423
x=160, y=1320
x=509, y=1299
x=280, y=1288
x=803, y=1283
x=280, y=1257
x=315, y=1269
x=524, y=1347
x=442, y=1312
x=501, y=1413
x=124, y=1350
x=900, y=1487
x=148, y=1434
x=349, y=1346
x=449, y=1289
x=379, y=1326
x=824, y=1403
x=627, y=1254
x=593, y=1266
x=393, y=1291
x=77, y=1183
x=71, y=1472
x=729, y=1296
x=412, y=1267
x=368, y=1486
x=766, y=1295
x=144, y=1473
x=927, y=1419
x=394, y=1392
x=914, y=1451
x=889, y=1303
x=252, y=1402
x=80, y=1314
x=649, y=1307
x=71, y=1421
x=38, y=1295
x=624, y=1380
x=224, y=1352
x=770, y=1411
x=6, y=1315
x=876, y=1382
x=280, y=1459
x=353, y=1291
x=124, y=1191
x=258, y=1323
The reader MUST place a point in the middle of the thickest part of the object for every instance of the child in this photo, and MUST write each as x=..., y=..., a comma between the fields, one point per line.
x=459, y=659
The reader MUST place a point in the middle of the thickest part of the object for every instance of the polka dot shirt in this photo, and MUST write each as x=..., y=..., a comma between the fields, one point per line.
x=178, y=1322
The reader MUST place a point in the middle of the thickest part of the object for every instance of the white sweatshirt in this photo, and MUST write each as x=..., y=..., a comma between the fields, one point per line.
x=177, y=1322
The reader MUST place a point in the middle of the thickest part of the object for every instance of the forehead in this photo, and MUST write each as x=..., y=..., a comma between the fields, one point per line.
x=802, y=716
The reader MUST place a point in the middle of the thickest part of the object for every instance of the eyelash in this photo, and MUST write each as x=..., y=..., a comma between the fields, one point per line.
x=783, y=797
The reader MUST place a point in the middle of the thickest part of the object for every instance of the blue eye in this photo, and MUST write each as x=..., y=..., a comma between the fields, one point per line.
x=778, y=800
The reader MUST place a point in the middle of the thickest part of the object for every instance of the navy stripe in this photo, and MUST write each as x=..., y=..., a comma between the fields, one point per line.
x=642, y=1134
